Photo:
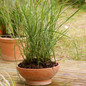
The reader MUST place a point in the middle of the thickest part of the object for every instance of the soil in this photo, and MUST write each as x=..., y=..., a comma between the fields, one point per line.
x=9, y=36
x=34, y=64
x=6, y=36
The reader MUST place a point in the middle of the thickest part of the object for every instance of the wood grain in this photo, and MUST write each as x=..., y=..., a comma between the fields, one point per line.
x=71, y=73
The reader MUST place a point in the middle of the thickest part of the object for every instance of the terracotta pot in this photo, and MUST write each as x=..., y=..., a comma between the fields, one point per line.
x=38, y=76
x=9, y=49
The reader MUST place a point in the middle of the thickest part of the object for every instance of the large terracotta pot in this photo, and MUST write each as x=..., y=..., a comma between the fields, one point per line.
x=9, y=49
x=38, y=76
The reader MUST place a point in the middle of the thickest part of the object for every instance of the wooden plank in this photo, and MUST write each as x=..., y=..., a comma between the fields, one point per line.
x=72, y=73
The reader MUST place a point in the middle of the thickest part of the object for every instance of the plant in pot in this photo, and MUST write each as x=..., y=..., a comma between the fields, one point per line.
x=0, y=31
x=40, y=26
x=0, y=28
x=9, y=48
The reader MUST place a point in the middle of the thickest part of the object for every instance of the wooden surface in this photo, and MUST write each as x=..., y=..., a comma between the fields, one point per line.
x=71, y=73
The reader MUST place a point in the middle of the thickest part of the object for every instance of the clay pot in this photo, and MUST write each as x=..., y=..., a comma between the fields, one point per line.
x=9, y=49
x=38, y=76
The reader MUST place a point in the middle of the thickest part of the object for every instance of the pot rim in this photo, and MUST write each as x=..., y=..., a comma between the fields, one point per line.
x=9, y=39
x=1, y=38
x=37, y=69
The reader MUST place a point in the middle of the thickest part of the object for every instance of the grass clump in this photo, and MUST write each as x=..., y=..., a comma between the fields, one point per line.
x=41, y=26
x=5, y=82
